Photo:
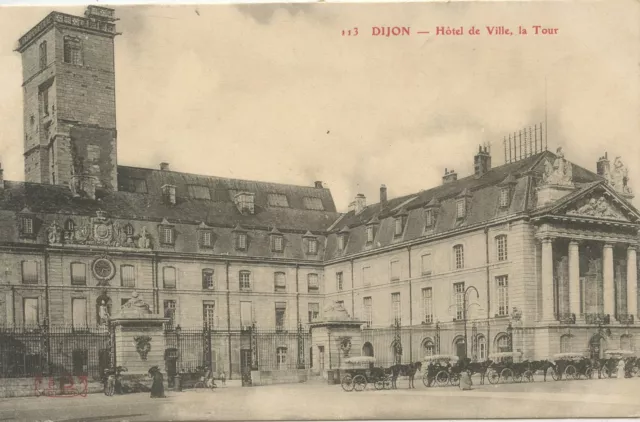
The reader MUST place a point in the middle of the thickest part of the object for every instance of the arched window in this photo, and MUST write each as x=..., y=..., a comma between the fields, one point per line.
x=501, y=247
x=502, y=343
x=482, y=348
x=428, y=347
x=625, y=342
x=367, y=349
x=458, y=257
x=459, y=347
x=69, y=225
x=128, y=230
x=565, y=343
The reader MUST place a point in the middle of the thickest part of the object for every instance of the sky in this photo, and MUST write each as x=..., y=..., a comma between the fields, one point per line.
x=276, y=93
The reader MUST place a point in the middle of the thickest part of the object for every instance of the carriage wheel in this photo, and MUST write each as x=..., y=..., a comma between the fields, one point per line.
x=379, y=384
x=442, y=378
x=606, y=372
x=517, y=377
x=454, y=379
x=359, y=382
x=493, y=376
x=588, y=374
x=425, y=380
x=570, y=372
x=527, y=376
x=507, y=375
x=554, y=375
x=387, y=382
x=347, y=383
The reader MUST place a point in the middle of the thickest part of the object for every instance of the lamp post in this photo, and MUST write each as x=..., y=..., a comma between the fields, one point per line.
x=465, y=307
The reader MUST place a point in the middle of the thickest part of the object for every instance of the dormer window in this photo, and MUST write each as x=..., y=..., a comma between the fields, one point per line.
x=343, y=236
x=167, y=236
x=429, y=220
x=277, y=243
x=369, y=234
x=313, y=246
x=240, y=237
x=504, y=197
x=245, y=202
x=506, y=188
x=461, y=208
x=399, y=226
x=169, y=194
x=26, y=226
x=206, y=239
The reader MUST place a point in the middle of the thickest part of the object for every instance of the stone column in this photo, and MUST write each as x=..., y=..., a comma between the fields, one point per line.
x=607, y=280
x=574, y=278
x=547, y=280
x=632, y=282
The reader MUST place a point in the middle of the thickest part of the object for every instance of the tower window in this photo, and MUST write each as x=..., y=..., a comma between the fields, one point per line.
x=72, y=50
x=43, y=55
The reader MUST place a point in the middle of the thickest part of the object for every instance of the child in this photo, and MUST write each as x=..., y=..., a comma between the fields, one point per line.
x=223, y=377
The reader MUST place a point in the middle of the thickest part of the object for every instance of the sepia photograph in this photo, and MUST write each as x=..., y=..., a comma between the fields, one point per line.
x=319, y=211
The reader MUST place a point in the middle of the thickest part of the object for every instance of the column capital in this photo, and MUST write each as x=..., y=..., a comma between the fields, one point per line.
x=632, y=247
x=574, y=242
x=608, y=246
x=547, y=239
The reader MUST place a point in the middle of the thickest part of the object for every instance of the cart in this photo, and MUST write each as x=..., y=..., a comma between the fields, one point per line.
x=571, y=366
x=360, y=371
x=445, y=372
x=613, y=356
x=503, y=369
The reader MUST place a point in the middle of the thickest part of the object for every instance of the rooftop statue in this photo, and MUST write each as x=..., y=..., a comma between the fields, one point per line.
x=559, y=173
x=619, y=177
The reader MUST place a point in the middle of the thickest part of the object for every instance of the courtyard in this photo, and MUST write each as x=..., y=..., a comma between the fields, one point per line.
x=551, y=399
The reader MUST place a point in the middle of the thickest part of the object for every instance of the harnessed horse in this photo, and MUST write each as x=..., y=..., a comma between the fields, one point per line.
x=406, y=371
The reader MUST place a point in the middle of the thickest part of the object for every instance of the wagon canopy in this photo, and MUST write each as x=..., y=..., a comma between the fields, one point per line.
x=505, y=355
x=619, y=353
x=360, y=360
x=441, y=358
x=569, y=356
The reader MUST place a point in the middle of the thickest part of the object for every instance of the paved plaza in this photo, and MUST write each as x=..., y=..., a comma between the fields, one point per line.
x=559, y=399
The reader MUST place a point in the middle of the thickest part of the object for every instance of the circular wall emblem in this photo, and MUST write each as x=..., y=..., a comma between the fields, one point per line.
x=103, y=269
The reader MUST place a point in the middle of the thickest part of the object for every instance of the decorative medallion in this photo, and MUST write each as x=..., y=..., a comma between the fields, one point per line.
x=103, y=269
x=143, y=346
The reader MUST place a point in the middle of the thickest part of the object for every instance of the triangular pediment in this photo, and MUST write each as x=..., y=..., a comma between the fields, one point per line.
x=598, y=202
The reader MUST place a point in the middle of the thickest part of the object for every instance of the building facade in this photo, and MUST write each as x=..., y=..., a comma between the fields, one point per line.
x=536, y=255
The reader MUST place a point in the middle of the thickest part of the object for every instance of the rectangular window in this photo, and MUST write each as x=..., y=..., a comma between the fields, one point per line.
x=199, y=192
x=166, y=235
x=314, y=311
x=427, y=305
x=428, y=218
x=241, y=241
x=79, y=313
x=396, y=311
x=312, y=281
x=246, y=314
x=394, y=270
x=367, y=305
x=280, y=282
x=209, y=314
x=458, y=292
x=78, y=274
x=426, y=264
x=43, y=55
x=26, y=225
x=205, y=238
x=277, y=200
x=398, y=227
x=277, y=243
x=72, y=50
x=458, y=252
x=245, y=280
x=169, y=277
x=170, y=312
x=501, y=247
x=461, y=208
x=207, y=279
x=366, y=276
x=339, y=281
x=313, y=246
x=341, y=242
x=30, y=311
x=30, y=272
x=504, y=197
x=45, y=102
x=281, y=311
x=370, y=234
x=311, y=203
x=128, y=275
x=502, y=289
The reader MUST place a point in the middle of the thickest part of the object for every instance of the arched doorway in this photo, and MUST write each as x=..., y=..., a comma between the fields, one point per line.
x=460, y=347
x=597, y=346
x=428, y=347
x=367, y=349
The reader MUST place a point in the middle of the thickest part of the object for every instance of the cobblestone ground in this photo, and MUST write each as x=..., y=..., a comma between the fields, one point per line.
x=553, y=399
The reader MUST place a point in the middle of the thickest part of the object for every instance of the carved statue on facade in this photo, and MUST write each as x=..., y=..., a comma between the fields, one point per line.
x=619, y=177
x=103, y=313
x=143, y=240
x=558, y=173
x=54, y=233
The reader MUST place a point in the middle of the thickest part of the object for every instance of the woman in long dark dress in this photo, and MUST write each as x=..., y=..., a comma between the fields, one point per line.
x=157, y=387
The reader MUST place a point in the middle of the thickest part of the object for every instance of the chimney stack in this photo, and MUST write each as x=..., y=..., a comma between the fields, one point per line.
x=603, y=166
x=482, y=161
x=360, y=203
x=449, y=176
x=318, y=184
x=383, y=194
x=164, y=166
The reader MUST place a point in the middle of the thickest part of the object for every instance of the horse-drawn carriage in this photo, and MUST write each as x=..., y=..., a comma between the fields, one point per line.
x=441, y=370
x=360, y=371
x=504, y=369
x=571, y=366
x=608, y=365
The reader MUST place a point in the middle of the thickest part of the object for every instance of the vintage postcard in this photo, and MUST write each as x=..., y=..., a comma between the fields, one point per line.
x=324, y=211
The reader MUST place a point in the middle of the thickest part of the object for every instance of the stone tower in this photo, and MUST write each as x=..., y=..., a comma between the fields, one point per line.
x=69, y=99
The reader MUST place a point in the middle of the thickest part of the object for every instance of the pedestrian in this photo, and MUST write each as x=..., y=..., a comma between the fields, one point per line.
x=465, y=380
x=157, y=386
x=621, y=369
x=431, y=372
x=223, y=377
